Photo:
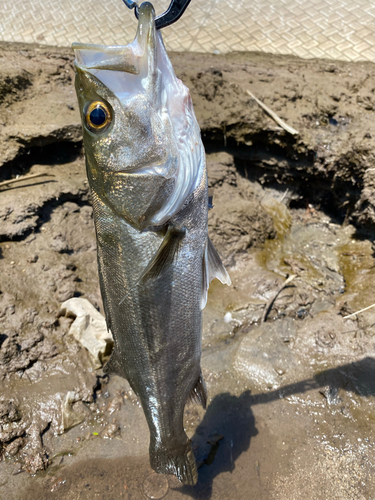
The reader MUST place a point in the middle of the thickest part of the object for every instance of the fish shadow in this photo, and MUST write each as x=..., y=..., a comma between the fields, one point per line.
x=224, y=433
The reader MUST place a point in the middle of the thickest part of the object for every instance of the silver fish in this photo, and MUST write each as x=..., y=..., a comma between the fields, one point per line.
x=147, y=173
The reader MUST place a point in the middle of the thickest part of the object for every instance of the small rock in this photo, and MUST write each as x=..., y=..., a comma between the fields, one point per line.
x=66, y=291
x=14, y=447
x=33, y=259
x=228, y=317
x=110, y=431
x=115, y=404
x=279, y=371
x=35, y=462
x=70, y=417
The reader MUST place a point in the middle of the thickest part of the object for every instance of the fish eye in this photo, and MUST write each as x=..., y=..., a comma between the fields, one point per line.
x=97, y=116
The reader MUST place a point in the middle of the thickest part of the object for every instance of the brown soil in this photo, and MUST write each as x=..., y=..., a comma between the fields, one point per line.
x=291, y=399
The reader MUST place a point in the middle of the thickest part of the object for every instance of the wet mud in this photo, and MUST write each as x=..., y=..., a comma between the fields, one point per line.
x=290, y=376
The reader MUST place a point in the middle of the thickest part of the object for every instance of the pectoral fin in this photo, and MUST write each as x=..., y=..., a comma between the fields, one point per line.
x=212, y=268
x=165, y=255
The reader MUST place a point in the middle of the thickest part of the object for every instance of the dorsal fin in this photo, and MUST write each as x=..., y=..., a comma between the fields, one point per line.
x=165, y=255
x=216, y=268
x=212, y=268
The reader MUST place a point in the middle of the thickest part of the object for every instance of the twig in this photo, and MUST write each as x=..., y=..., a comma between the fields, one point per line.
x=284, y=195
x=274, y=116
x=272, y=299
x=357, y=312
x=23, y=178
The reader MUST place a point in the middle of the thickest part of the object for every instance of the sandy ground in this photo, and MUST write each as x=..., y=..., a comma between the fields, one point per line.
x=291, y=395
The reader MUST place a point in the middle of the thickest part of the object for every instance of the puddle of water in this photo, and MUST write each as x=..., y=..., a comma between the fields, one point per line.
x=358, y=267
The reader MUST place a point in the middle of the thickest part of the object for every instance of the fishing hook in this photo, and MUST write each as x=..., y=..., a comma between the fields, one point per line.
x=171, y=15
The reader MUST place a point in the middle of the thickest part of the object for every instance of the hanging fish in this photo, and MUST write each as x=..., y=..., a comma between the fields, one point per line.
x=147, y=174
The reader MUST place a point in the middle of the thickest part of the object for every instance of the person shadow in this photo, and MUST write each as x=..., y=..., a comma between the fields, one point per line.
x=357, y=377
x=223, y=434
x=229, y=423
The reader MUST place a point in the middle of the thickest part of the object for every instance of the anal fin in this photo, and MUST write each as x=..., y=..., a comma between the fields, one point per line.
x=198, y=394
x=114, y=365
x=165, y=255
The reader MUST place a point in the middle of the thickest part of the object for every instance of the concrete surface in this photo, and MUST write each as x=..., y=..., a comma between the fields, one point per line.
x=339, y=29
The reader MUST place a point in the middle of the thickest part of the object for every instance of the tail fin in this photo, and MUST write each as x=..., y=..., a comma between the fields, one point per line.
x=182, y=465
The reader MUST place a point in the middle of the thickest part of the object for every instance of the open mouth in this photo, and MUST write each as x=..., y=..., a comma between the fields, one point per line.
x=131, y=58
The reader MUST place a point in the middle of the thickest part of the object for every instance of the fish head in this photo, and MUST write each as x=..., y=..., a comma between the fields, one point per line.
x=121, y=133
x=141, y=138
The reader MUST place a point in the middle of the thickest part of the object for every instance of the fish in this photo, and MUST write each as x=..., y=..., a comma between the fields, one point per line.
x=147, y=173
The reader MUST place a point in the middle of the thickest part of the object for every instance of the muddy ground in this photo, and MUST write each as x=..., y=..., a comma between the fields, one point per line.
x=291, y=393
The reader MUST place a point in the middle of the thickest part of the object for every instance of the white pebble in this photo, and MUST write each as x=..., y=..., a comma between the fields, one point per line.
x=228, y=317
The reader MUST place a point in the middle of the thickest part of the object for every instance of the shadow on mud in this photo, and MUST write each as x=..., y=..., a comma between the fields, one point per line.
x=229, y=424
x=357, y=377
x=224, y=433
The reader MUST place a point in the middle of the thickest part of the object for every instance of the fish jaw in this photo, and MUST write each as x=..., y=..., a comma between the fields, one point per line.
x=153, y=129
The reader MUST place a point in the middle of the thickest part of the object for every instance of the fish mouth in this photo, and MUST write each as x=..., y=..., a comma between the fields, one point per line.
x=132, y=58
